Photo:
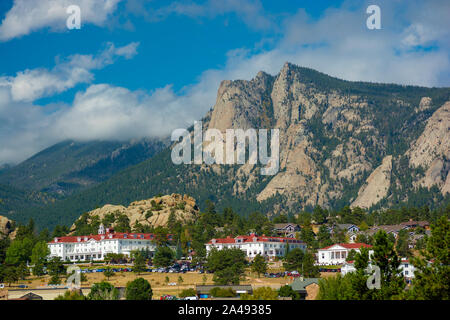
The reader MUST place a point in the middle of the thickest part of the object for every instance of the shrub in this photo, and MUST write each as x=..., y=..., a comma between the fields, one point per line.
x=139, y=289
x=188, y=293
x=222, y=292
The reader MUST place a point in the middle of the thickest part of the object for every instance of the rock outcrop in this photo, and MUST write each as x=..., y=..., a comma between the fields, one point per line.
x=376, y=187
x=431, y=150
x=6, y=227
x=309, y=117
x=153, y=212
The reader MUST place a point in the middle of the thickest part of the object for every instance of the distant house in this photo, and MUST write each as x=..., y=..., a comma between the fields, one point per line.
x=29, y=296
x=287, y=230
x=308, y=288
x=352, y=237
x=405, y=268
x=411, y=224
x=203, y=291
x=408, y=269
x=413, y=240
x=337, y=253
x=393, y=229
x=346, y=227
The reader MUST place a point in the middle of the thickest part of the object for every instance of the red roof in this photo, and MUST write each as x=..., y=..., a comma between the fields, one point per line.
x=250, y=238
x=108, y=236
x=349, y=245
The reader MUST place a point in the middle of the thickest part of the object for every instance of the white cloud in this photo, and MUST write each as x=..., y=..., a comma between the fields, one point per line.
x=27, y=16
x=30, y=85
x=251, y=12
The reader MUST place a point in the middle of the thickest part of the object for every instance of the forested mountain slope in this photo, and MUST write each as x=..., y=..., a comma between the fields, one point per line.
x=341, y=143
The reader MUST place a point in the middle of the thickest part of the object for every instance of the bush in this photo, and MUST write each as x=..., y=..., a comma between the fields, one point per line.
x=188, y=293
x=287, y=291
x=71, y=295
x=139, y=289
x=263, y=293
x=103, y=291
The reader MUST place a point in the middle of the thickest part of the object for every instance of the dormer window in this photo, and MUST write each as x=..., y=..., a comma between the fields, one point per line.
x=125, y=236
x=110, y=236
x=56, y=239
x=79, y=239
x=85, y=238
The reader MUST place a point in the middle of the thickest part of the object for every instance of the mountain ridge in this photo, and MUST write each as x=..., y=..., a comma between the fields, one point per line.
x=333, y=135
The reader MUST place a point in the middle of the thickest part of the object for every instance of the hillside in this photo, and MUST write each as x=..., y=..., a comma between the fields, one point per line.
x=71, y=166
x=13, y=201
x=153, y=212
x=341, y=143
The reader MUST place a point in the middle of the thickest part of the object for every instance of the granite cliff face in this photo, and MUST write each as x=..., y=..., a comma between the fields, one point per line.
x=334, y=140
x=431, y=150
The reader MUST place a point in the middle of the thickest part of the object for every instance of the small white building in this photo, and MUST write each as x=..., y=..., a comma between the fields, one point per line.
x=253, y=245
x=95, y=247
x=337, y=253
x=406, y=269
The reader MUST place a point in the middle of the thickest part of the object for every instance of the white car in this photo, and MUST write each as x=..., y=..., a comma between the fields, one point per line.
x=191, y=298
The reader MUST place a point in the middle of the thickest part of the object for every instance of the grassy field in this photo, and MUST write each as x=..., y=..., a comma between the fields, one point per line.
x=161, y=286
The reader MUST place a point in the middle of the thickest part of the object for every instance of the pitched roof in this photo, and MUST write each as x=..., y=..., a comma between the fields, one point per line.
x=412, y=223
x=205, y=289
x=284, y=225
x=108, y=236
x=250, y=238
x=301, y=284
x=349, y=245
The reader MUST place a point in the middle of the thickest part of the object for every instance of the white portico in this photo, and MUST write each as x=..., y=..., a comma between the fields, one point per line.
x=337, y=253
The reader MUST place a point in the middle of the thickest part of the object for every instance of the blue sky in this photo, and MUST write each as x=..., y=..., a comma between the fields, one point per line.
x=142, y=68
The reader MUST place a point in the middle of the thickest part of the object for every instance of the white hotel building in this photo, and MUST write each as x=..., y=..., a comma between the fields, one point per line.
x=252, y=245
x=96, y=247
x=337, y=253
